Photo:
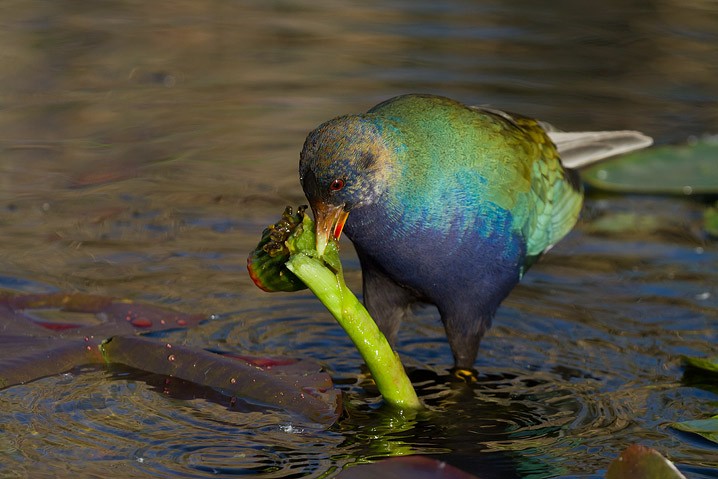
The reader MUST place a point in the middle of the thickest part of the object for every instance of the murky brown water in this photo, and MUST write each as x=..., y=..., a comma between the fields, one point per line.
x=144, y=146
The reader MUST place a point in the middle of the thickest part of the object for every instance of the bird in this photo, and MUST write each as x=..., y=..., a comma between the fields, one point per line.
x=447, y=204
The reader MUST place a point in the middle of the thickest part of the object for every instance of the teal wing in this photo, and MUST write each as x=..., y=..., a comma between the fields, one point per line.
x=507, y=161
x=551, y=206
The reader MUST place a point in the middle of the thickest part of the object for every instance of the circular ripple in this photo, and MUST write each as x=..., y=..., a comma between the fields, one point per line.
x=218, y=456
x=92, y=426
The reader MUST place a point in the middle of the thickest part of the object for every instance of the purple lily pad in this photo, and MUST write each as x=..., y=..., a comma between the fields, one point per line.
x=77, y=314
x=47, y=334
x=25, y=358
x=298, y=386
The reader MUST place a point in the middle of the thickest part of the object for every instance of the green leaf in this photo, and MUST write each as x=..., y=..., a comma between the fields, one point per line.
x=710, y=219
x=703, y=364
x=382, y=361
x=292, y=241
x=707, y=428
x=266, y=263
x=625, y=222
x=325, y=278
x=678, y=170
x=640, y=462
x=701, y=373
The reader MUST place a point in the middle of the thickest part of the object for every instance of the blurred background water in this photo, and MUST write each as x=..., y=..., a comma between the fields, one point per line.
x=145, y=145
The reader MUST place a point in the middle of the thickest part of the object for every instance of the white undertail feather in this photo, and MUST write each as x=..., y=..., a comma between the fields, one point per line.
x=580, y=149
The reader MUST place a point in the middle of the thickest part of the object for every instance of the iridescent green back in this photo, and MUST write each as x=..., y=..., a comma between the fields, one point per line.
x=448, y=157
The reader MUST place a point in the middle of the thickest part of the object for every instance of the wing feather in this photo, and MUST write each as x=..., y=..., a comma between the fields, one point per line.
x=580, y=149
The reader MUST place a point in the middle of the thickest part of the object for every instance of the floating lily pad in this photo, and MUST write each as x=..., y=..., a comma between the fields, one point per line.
x=25, y=358
x=77, y=314
x=706, y=428
x=703, y=364
x=625, y=222
x=701, y=373
x=640, y=462
x=679, y=170
x=710, y=218
x=293, y=385
x=46, y=334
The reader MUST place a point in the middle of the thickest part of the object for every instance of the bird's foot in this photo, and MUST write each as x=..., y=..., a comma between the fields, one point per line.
x=467, y=376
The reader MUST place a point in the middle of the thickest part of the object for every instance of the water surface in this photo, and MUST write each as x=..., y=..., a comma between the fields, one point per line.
x=144, y=146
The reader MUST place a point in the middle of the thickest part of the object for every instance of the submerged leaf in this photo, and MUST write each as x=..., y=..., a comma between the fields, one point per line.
x=79, y=314
x=640, y=462
x=706, y=428
x=679, y=170
x=414, y=467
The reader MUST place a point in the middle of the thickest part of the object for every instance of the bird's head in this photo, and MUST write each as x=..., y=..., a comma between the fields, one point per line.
x=343, y=166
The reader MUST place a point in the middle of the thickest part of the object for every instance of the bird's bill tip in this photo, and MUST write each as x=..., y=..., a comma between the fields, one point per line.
x=330, y=221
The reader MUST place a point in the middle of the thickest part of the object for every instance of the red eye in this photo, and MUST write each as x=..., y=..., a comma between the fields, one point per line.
x=337, y=184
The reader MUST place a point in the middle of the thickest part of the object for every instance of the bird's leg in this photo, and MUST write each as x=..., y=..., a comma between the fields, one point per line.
x=464, y=330
x=387, y=302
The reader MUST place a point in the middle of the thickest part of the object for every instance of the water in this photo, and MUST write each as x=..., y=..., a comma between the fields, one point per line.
x=144, y=146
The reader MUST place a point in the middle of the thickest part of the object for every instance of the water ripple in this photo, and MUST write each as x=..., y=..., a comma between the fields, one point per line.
x=89, y=422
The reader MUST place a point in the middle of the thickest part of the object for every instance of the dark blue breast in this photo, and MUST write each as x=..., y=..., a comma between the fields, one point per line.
x=467, y=262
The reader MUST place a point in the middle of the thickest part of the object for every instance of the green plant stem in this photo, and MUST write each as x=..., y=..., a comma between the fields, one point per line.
x=380, y=358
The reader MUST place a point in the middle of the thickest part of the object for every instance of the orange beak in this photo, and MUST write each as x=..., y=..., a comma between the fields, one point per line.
x=330, y=222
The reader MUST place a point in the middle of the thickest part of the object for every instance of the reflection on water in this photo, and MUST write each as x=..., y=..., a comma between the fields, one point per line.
x=82, y=423
x=144, y=146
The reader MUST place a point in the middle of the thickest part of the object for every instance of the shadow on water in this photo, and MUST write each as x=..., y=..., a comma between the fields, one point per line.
x=144, y=146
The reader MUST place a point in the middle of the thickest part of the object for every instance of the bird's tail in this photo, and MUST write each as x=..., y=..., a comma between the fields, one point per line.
x=580, y=149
